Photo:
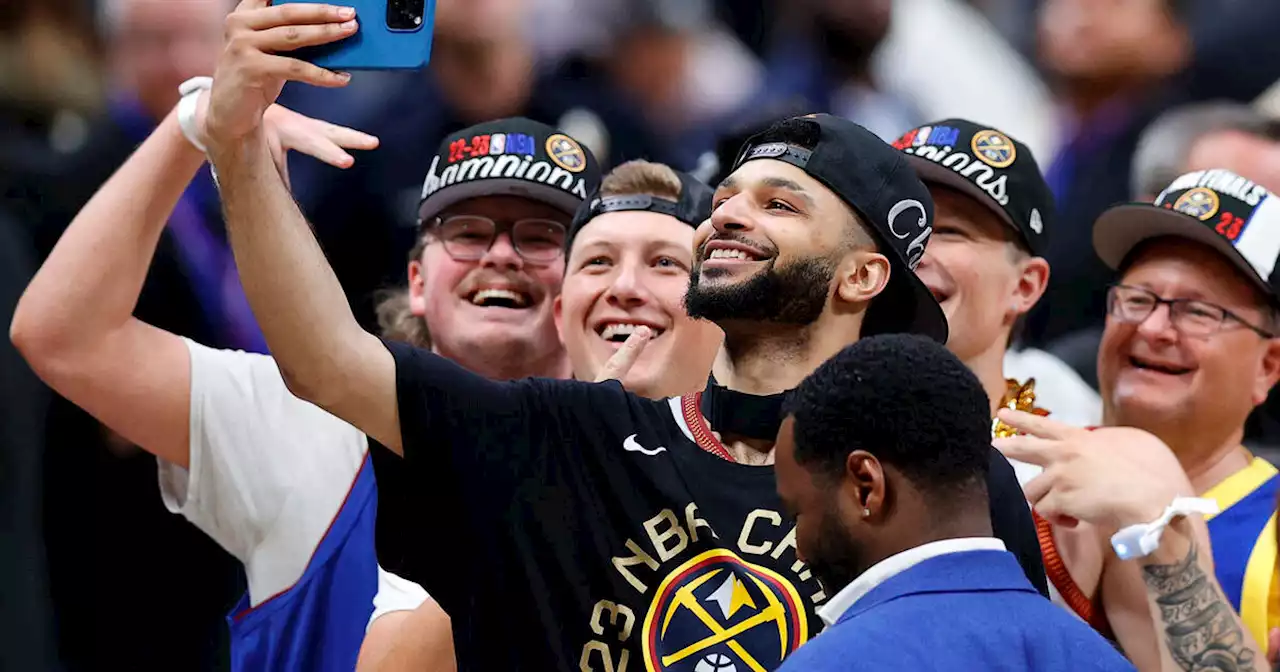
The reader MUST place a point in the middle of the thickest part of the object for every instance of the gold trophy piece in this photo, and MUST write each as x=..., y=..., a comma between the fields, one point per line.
x=1019, y=397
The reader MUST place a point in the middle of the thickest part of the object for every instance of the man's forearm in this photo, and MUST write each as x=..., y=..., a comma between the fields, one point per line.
x=90, y=283
x=299, y=304
x=1193, y=618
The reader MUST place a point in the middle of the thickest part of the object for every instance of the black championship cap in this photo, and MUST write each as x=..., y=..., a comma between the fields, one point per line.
x=509, y=157
x=1218, y=208
x=693, y=208
x=875, y=180
x=717, y=163
x=988, y=165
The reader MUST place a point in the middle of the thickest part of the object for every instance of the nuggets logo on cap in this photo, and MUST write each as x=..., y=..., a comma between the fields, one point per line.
x=1200, y=203
x=565, y=152
x=718, y=612
x=994, y=149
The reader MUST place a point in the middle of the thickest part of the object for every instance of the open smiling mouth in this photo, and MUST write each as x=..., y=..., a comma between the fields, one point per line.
x=1158, y=367
x=618, y=332
x=726, y=253
x=500, y=298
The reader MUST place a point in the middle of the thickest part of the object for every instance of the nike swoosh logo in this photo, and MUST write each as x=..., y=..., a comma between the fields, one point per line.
x=632, y=445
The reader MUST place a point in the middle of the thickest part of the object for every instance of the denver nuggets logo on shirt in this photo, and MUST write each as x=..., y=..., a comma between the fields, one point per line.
x=565, y=152
x=1200, y=203
x=994, y=149
x=718, y=613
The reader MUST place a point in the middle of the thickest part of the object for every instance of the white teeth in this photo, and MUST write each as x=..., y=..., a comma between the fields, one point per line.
x=620, y=331
x=484, y=296
x=724, y=253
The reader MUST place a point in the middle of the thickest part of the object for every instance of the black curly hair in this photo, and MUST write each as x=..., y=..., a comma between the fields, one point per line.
x=903, y=398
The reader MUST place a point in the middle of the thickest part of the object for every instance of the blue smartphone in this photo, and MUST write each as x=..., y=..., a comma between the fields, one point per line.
x=393, y=35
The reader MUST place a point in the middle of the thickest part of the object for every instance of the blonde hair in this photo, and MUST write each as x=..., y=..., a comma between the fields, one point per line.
x=397, y=322
x=642, y=177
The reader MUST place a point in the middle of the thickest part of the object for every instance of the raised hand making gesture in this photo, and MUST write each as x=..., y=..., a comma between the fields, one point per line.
x=251, y=72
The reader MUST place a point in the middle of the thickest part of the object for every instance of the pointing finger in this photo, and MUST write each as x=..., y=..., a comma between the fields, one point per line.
x=1029, y=449
x=622, y=360
x=1037, y=425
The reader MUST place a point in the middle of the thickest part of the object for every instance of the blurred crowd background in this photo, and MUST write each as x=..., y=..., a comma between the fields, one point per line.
x=1115, y=98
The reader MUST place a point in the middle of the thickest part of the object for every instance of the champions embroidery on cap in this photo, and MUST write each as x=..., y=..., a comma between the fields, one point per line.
x=994, y=148
x=565, y=152
x=1201, y=203
x=915, y=249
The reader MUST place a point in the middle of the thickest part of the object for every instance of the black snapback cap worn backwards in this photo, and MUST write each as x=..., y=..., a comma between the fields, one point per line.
x=509, y=157
x=1231, y=214
x=988, y=165
x=874, y=179
x=693, y=207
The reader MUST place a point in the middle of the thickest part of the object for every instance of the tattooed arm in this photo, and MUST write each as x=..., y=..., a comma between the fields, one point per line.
x=1196, y=623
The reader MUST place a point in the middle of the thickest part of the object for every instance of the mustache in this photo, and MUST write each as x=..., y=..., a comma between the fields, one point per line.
x=517, y=282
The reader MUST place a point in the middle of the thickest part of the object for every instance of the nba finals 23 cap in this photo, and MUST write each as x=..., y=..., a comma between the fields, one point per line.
x=1232, y=215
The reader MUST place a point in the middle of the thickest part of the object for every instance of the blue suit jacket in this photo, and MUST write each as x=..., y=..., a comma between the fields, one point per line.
x=973, y=610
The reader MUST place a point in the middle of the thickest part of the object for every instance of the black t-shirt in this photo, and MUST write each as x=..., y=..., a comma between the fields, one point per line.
x=577, y=526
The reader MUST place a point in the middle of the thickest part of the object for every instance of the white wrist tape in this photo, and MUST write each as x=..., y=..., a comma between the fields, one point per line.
x=1142, y=539
x=190, y=91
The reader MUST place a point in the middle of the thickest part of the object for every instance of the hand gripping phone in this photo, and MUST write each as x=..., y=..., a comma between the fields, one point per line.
x=393, y=35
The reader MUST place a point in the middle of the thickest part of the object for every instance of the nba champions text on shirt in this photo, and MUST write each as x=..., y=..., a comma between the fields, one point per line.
x=668, y=535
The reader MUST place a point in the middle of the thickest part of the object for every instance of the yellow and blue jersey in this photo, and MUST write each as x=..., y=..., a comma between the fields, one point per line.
x=1243, y=536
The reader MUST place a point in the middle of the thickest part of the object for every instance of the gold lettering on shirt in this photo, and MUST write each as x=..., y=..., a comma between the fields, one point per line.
x=693, y=522
x=744, y=542
x=660, y=539
x=638, y=557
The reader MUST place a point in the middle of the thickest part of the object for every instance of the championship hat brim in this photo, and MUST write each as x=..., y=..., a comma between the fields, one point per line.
x=1121, y=229
x=552, y=196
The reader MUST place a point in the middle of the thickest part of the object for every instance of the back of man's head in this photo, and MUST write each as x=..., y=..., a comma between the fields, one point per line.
x=909, y=402
x=1166, y=145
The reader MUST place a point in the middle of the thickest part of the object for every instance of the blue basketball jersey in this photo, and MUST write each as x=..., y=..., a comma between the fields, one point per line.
x=319, y=622
x=1243, y=536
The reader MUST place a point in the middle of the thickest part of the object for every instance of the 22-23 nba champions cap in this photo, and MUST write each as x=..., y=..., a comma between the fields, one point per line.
x=1232, y=215
x=875, y=180
x=989, y=166
x=509, y=157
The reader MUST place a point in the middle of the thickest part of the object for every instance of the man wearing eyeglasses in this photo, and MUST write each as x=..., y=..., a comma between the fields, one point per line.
x=1188, y=350
x=488, y=264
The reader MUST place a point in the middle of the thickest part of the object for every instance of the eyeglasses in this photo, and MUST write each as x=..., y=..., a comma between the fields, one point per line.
x=470, y=237
x=1191, y=317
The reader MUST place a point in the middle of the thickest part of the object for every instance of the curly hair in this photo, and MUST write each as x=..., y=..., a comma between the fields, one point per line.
x=903, y=398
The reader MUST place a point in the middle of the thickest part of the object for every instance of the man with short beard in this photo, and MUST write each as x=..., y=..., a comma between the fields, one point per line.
x=579, y=525
x=881, y=461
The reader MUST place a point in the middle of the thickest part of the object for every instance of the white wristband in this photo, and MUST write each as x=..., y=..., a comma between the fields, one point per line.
x=190, y=91
x=1142, y=539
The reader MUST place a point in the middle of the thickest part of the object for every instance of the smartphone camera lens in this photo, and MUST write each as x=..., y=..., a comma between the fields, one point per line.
x=405, y=14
